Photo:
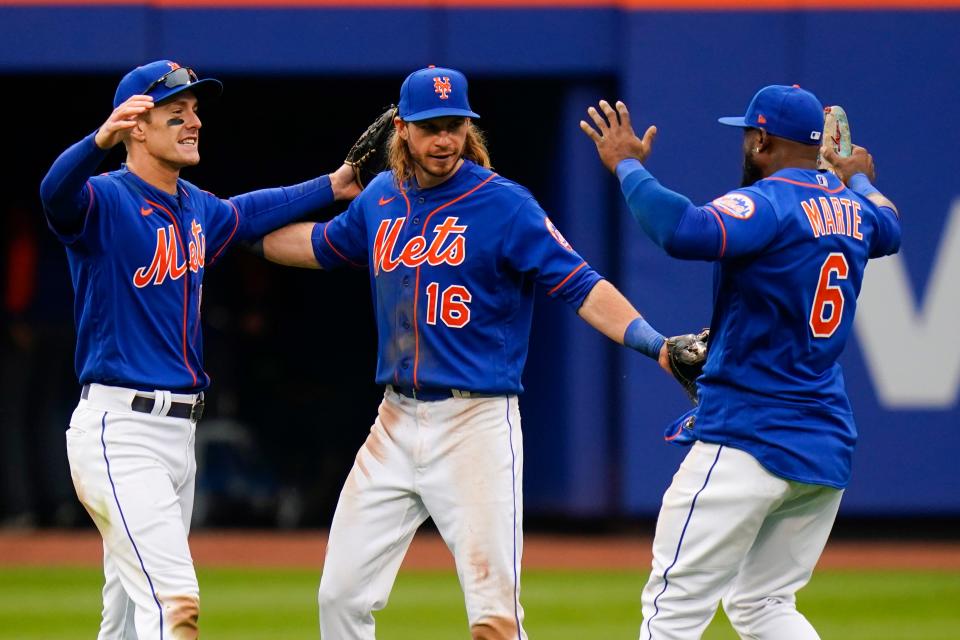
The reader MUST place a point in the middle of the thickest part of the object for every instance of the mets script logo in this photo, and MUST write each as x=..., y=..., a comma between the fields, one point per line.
x=442, y=86
x=557, y=235
x=737, y=205
x=447, y=246
x=166, y=257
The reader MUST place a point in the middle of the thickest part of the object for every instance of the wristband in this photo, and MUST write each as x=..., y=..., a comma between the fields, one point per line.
x=640, y=336
x=861, y=184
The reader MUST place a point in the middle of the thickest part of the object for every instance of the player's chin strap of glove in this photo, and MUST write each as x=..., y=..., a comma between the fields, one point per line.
x=368, y=155
x=686, y=354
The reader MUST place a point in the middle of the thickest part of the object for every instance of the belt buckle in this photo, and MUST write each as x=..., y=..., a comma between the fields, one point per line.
x=196, y=411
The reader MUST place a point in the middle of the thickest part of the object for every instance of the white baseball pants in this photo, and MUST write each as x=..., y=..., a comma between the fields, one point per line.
x=134, y=473
x=730, y=529
x=458, y=461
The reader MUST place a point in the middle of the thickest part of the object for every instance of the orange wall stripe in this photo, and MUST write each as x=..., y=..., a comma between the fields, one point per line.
x=652, y=5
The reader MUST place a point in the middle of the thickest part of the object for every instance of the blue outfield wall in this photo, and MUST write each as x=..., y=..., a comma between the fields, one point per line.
x=597, y=426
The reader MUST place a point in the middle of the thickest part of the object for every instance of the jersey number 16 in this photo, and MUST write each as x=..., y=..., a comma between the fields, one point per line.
x=452, y=304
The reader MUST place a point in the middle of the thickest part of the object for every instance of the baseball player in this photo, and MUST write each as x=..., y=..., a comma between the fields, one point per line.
x=138, y=240
x=750, y=509
x=453, y=251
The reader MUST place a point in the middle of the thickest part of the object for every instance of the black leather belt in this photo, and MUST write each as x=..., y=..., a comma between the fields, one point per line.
x=144, y=404
x=430, y=394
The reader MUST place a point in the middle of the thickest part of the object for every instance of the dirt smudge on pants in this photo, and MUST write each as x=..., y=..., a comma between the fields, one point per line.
x=494, y=628
x=183, y=616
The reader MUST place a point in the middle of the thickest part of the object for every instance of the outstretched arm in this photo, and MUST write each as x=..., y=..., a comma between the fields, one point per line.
x=609, y=312
x=670, y=219
x=267, y=210
x=292, y=246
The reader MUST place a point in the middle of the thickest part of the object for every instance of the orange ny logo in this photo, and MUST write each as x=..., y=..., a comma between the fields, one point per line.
x=173, y=66
x=442, y=86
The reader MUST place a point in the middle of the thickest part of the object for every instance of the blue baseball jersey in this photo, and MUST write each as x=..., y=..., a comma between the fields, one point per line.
x=137, y=256
x=791, y=250
x=452, y=272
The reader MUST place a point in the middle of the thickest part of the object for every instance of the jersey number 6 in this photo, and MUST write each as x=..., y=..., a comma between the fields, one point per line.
x=454, y=311
x=821, y=324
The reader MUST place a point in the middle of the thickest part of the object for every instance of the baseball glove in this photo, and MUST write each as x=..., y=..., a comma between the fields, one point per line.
x=368, y=155
x=836, y=135
x=687, y=354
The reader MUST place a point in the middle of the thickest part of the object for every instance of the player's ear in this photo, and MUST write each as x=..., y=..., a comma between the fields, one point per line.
x=138, y=132
x=401, y=128
x=763, y=140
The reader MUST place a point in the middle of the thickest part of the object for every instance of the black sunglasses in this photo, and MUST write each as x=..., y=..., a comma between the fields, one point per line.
x=175, y=78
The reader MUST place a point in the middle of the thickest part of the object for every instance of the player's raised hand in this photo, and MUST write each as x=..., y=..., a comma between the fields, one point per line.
x=859, y=161
x=123, y=118
x=614, y=135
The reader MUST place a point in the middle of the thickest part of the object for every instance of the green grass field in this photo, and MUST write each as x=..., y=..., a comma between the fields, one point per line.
x=241, y=604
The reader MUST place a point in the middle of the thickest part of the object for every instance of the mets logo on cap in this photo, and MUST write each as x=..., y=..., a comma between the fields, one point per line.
x=441, y=85
x=737, y=205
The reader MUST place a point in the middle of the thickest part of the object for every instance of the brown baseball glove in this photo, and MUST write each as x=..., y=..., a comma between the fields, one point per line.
x=368, y=155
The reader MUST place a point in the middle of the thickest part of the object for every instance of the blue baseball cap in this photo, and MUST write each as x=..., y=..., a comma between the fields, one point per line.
x=164, y=79
x=786, y=112
x=434, y=92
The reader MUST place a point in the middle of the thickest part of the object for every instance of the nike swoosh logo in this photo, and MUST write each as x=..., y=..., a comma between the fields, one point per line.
x=145, y=211
x=384, y=201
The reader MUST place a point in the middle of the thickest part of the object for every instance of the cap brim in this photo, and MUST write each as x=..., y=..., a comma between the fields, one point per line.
x=734, y=121
x=439, y=112
x=203, y=89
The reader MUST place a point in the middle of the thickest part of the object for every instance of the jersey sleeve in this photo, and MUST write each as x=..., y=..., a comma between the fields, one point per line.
x=533, y=245
x=68, y=194
x=222, y=223
x=734, y=224
x=252, y=215
x=886, y=241
x=746, y=219
x=342, y=240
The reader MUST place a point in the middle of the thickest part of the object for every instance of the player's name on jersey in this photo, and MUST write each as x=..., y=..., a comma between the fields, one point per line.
x=833, y=216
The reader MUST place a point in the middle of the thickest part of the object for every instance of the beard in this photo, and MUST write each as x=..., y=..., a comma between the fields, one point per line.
x=438, y=172
x=751, y=172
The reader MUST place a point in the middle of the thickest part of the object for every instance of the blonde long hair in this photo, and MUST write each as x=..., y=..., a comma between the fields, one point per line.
x=401, y=162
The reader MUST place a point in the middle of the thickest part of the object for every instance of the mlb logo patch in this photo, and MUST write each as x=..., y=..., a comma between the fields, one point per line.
x=814, y=135
x=736, y=205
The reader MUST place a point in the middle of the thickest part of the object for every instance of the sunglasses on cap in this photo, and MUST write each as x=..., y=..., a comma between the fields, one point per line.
x=176, y=78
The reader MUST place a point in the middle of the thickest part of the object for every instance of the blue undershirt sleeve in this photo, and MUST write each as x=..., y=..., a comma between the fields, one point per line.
x=860, y=183
x=266, y=210
x=668, y=218
x=887, y=239
x=63, y=190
